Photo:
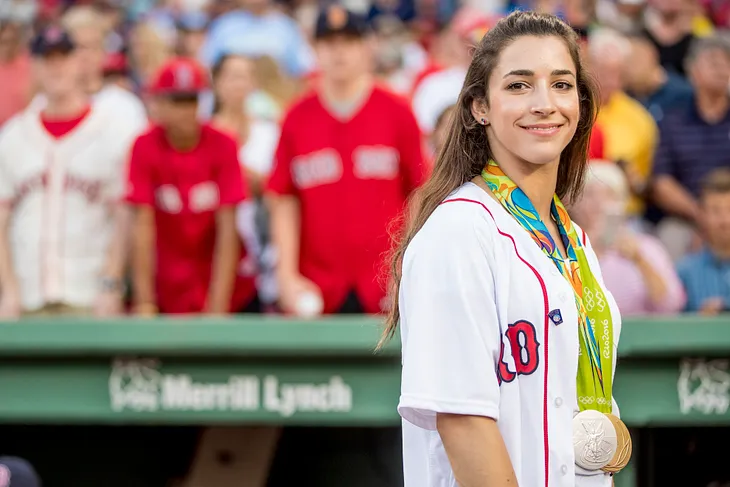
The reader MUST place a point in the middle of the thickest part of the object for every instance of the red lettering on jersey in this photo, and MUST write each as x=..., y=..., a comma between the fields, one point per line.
x=376, y=162
x=522, y=338
x=504, y=374
x=90, y=188
x=316, y=168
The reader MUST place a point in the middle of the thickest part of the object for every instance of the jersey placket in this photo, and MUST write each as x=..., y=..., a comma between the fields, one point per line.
x=54, y=204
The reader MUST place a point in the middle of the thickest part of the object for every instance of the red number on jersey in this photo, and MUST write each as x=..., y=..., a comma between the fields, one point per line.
x=522, y=338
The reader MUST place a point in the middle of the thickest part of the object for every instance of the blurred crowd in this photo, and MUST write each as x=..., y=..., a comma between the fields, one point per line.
x=254, y=156
x=225, y=156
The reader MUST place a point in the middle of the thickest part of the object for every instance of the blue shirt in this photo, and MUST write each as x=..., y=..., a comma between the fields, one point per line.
x=704, y=276
x=272, y=34
x=675, y=93
x=690, y=148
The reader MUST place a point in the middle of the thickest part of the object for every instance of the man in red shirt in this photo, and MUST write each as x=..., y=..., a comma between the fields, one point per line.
x=184, y=183
x=348, y=157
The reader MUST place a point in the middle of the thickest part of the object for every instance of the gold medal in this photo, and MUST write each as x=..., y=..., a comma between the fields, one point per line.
x=623, y=446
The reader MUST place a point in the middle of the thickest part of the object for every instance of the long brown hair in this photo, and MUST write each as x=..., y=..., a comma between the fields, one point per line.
x=467, y=149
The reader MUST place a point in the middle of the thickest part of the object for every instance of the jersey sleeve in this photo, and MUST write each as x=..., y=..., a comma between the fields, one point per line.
x=450, y=329
x=280, y=182
x=413, y=164
x=140, y=188
x=230, y=177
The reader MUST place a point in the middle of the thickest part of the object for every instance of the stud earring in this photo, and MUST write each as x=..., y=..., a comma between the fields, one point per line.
x=483, y=121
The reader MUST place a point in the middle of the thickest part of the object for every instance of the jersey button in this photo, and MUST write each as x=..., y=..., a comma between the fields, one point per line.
x=558, y=402
x=564, y=469
x=563, y=297
x=554, y=271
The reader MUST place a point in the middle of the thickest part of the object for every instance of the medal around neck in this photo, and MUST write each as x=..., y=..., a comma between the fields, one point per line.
x=601, y=441
x=594, y=439
x=623, y=446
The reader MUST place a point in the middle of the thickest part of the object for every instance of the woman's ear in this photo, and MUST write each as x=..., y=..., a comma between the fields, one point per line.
x=480, y=111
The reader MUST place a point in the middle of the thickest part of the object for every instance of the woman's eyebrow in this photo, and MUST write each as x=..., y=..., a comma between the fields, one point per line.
x=528, y=72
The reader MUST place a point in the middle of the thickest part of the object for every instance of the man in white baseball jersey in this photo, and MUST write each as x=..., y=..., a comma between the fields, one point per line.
x=62, y=240
x=86, y=26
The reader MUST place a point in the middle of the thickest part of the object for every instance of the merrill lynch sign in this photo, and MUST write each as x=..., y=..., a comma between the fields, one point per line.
x=140, y=386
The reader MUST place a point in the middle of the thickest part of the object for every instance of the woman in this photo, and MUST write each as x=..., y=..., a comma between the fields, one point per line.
x=637, y=269
x=497, y=291
x=233, y=82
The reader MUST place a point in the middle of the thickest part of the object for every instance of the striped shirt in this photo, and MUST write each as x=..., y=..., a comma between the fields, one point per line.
x=704, y=276
x=690, y=148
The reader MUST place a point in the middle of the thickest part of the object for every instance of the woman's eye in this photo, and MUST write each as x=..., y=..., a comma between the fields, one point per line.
x=517, y=85
x=563, y=85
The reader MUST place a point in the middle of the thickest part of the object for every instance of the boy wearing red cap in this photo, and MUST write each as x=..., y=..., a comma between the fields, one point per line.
x=184, y=183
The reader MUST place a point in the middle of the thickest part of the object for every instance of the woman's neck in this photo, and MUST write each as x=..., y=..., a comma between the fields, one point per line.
x=538, y=182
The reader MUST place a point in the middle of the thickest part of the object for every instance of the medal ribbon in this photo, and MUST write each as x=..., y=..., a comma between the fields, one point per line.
x=595, y=326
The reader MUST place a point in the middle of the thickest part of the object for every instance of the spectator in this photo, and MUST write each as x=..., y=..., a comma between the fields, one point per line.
x=440, y=88
x=706, y=274
x=636, y=268
x=668, y=24
x=16, y=85
x=234, y=81
x=622, y=15
x=659, y=90
x=259, y=29
x=185, y=184
x=629, y=132
x=336, y=144
x=17, y=472
x=86, y=27
x=148, y=51
x=343, y=172
x=60, y=182
x=694, y=141
x=191, y=28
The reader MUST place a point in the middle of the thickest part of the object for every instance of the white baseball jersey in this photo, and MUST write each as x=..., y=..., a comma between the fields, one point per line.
x=489, y=328
x=62, y=192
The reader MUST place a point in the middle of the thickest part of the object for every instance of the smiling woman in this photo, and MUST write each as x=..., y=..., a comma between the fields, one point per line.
x=508, y=333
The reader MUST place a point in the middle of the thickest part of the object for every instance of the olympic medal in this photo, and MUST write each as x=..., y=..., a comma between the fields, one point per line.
x=623, y=446
x=594, y=439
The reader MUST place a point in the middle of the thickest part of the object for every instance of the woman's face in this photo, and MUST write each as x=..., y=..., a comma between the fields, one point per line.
x=235, y=81
x=534, y=106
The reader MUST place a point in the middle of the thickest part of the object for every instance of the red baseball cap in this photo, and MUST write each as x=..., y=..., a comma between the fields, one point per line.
x=179, y=76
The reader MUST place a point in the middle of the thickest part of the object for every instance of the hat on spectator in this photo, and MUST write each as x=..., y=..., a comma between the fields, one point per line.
x=16, y=472
x=193, y=21
x=115, y=63
x=51, y=39
x=335, y=19
x=179, y=76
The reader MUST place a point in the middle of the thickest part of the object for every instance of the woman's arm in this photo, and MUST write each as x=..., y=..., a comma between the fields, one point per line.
x=476, y=451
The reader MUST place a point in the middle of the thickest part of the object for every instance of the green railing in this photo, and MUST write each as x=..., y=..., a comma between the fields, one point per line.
x=252, y=369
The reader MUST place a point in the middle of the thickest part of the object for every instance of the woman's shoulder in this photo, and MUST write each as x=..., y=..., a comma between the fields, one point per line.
x=463, y=219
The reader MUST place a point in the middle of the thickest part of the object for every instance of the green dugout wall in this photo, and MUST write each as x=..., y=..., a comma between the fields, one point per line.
x=255, y=370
